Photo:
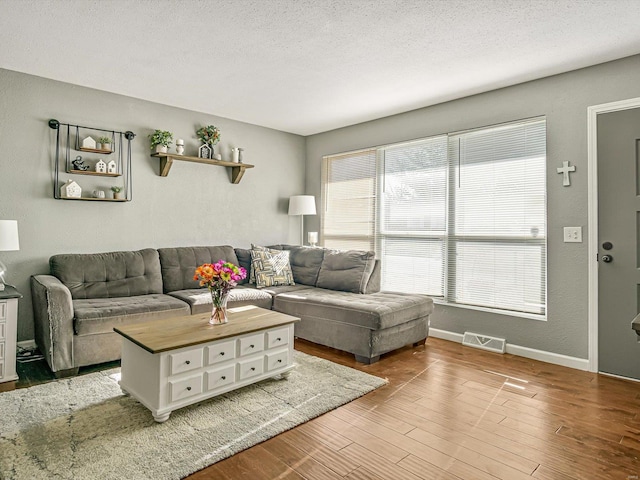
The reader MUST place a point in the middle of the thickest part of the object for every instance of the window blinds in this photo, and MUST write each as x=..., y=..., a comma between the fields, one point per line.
x=349, y=201
x=459, y=216
x=413, y=216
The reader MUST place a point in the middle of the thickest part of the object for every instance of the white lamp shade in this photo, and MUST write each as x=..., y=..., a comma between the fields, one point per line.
x=9, y=235
x=302, y=205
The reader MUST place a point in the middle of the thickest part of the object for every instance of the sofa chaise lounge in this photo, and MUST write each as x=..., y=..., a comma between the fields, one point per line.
x=336, y=295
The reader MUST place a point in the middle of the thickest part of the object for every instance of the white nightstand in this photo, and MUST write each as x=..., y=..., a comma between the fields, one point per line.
x=8, y=335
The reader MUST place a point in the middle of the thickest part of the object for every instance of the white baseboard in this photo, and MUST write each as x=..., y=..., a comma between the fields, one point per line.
x=27, y=344
x=549, y=357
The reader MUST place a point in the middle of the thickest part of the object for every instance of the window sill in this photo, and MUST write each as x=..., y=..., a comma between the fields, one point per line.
x=507, y=313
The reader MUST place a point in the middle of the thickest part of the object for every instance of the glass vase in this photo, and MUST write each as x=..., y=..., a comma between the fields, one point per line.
x=219, y=307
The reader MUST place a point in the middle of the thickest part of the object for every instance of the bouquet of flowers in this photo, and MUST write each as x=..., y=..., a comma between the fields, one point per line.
x=220, y=278
x=209, y=135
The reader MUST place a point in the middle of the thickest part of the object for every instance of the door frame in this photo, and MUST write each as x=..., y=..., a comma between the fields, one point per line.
x=592, y=221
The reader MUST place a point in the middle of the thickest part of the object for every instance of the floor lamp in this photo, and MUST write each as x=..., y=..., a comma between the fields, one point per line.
x=8, y=242
x=302, y=205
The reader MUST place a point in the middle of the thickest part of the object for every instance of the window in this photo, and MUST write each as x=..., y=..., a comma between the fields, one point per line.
x=459, y=216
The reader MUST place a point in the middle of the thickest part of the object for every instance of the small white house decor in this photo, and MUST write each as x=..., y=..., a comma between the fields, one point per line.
x=101, y=167
x=111, y=167
x=71, y=190
x=205, y=151
x=89, y=142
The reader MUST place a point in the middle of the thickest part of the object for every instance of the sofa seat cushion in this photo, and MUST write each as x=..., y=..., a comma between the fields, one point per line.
x=375, y=311
x=199, y=299
x=100, y=315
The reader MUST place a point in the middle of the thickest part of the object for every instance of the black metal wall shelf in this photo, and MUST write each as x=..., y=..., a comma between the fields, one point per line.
x=67, y=143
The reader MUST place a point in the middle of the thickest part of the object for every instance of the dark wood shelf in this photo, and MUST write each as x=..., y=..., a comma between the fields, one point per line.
x=91, y=199
x=166, y=161
x=97, y=174
x=95, y=150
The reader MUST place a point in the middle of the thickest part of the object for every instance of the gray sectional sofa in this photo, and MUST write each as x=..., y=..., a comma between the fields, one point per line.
x=336, y=295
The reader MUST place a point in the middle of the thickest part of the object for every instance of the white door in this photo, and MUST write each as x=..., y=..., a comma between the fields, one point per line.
x=618, y=241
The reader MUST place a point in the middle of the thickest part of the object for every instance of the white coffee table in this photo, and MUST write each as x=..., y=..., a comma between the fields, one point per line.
x=169, y=364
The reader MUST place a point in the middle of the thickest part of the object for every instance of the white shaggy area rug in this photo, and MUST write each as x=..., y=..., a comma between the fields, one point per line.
x=85, y=428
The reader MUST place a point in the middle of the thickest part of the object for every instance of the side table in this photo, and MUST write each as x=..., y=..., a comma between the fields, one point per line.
x=8, y=337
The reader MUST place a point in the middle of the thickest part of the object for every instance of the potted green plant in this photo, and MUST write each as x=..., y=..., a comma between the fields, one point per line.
x=116, y=192
x=209, y=135
x=160, y=140
x=104, y=143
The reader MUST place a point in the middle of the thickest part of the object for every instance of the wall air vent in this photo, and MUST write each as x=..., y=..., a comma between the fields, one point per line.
x=484, y=342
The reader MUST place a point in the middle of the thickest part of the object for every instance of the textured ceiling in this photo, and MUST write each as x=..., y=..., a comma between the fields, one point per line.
x=308, y=66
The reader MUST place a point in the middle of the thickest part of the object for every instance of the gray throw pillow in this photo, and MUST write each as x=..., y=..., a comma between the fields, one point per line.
x=347, y=271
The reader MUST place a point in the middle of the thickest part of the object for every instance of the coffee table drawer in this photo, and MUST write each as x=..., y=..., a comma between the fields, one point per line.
x=185, y=361
x=252, y=344
x=221, y=352
x=1, y=350
x=3, y=330
x=221, y=376
x=276, y=338
x=3, y=310
x=277, y=360
x=188, y=387
x=251, y=368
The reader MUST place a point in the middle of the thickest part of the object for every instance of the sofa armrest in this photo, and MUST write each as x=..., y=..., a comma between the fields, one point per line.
x=373, y=285
x=53, y=316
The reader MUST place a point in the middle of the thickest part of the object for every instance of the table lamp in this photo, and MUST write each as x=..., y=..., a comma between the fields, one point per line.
x=302, y=205
x=8, y=242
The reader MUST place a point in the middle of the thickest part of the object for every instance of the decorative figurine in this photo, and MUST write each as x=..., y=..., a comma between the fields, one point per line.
x=101, y=167
x=111, y=167
x=89, y=143
x=240, y=150
x=78, y=164
x=205, y=151
x=180, y=146
x=71, y=190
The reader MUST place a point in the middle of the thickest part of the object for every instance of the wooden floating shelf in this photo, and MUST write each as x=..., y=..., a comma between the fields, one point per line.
x=97, y=174
x=95, y=150
x=166, y=160
x=91, y=199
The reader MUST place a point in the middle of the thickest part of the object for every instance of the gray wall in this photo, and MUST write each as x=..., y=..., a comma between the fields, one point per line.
x=195, y=205
x=564, y=100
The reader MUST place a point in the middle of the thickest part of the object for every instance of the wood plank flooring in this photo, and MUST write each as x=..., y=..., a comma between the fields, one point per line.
x=451, y=412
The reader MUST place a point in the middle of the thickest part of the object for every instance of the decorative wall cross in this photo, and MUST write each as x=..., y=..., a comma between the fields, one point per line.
x=564, y=170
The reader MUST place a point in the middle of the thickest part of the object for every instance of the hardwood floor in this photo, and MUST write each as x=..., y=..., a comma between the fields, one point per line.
x=452, y=412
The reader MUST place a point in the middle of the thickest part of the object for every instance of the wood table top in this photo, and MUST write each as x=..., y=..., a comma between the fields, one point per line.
x=184, y=331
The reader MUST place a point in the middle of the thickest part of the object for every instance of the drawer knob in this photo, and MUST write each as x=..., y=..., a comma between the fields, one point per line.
x=189, y=389
x=278, y=339
x=253, y=369
x=251, y=346
x=222, y=353
x=188, y=362
x=279, y=360
x=224, y=378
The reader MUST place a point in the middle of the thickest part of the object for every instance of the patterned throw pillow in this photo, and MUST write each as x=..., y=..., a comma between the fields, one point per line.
x=271, y=269
x=252, y=273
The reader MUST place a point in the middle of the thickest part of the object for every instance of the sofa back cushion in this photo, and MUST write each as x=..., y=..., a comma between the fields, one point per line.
x=347, y=271
x=244, y=260
x=108, y=275
x=306, y=263
x=179, y=264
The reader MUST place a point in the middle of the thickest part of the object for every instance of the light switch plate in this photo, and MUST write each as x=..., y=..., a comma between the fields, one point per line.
x=572, y=234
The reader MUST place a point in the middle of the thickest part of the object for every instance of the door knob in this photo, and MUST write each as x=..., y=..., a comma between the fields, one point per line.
x=607, y=258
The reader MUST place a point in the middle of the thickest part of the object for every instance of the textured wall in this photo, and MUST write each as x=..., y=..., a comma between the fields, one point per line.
x=564, y=100
x=195, y=205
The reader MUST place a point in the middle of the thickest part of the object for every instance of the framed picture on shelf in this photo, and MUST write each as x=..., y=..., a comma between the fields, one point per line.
x=205, y=151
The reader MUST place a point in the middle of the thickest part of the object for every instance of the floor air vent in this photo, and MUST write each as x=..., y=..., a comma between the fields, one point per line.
x=485, y=342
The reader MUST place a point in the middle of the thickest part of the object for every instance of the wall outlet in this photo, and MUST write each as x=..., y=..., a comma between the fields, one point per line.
x=572, y=234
